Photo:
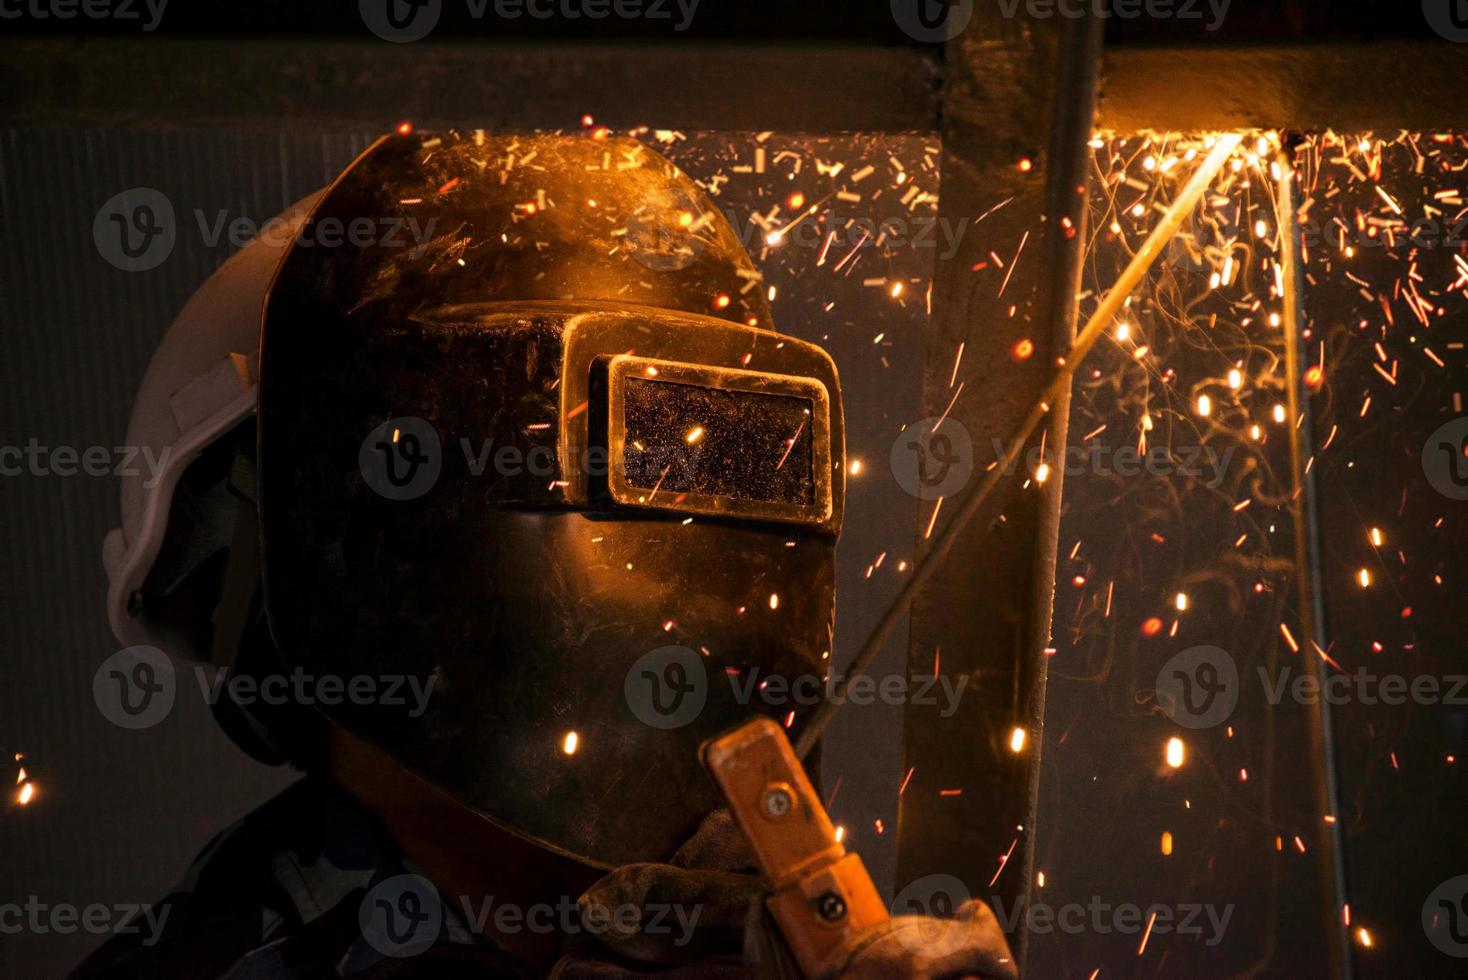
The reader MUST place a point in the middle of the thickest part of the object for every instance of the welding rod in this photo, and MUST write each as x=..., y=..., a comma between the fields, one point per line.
x=1167, y=228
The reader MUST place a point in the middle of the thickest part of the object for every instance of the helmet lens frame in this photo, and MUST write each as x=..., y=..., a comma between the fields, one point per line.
x=716, y=441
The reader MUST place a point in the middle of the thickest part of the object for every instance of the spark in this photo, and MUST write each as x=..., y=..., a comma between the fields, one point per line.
x=1151, y=919
x=1017, y=740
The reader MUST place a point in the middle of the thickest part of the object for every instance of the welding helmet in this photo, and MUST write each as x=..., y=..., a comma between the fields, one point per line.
x=526, y=434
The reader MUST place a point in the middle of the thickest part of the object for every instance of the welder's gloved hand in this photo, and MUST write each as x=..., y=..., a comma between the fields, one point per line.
x=913, y=946
x=685, y=918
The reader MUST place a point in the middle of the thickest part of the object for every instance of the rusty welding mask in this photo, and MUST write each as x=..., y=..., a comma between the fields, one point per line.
x=526, y=434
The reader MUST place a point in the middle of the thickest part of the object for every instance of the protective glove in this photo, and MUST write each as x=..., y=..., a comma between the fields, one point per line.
x=713, y=877
x=693, y=911
x=912, y=946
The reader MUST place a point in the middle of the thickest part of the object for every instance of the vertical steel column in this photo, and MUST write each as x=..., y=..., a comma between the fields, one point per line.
x=1018, y=112
x=1308, y=571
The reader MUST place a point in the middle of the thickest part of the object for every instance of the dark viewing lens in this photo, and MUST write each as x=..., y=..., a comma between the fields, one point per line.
x=691, y=439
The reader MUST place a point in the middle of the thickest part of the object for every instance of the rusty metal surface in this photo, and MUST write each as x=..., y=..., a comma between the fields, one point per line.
x=1349, y=85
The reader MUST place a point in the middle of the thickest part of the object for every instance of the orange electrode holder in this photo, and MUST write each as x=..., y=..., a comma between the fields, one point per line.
x=822, y=897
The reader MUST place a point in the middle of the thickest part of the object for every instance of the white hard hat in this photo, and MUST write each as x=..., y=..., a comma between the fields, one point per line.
x=200, y=385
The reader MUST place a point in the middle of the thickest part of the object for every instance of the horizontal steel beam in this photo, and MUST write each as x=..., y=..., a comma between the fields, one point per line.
x=171, y=83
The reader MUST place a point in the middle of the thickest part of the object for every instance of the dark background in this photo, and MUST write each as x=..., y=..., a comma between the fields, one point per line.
x=761, y=21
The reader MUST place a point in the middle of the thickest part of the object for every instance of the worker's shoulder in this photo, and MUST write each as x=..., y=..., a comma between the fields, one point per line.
x=283, y=867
